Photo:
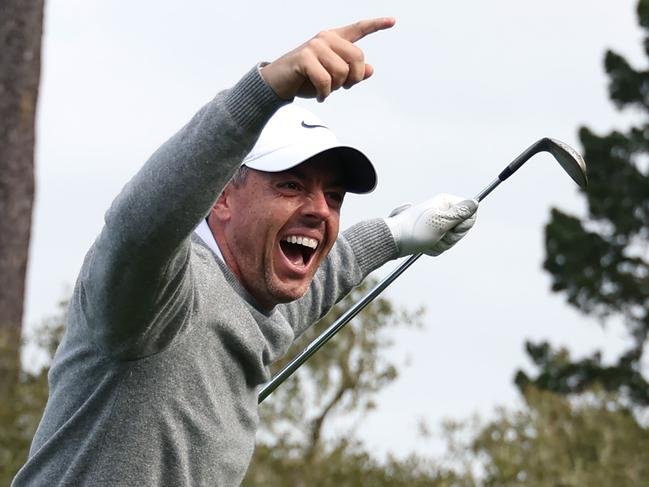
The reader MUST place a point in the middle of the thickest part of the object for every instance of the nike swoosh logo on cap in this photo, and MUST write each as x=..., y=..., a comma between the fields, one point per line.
x=309, y=126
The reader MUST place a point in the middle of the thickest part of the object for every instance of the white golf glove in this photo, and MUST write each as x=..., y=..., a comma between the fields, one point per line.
x=433, y=226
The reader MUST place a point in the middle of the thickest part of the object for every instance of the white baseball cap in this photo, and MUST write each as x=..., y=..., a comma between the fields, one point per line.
x=294, y=135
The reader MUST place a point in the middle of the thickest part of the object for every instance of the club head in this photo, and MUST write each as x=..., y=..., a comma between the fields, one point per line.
x=569, y=158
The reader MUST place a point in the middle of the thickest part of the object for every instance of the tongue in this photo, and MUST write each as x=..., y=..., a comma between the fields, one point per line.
x=293, y=253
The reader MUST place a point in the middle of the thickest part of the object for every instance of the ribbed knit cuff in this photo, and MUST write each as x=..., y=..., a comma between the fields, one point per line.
x=251, y=102
x=372, y=244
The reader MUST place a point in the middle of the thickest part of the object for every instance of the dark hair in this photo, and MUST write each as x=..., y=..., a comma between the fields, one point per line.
x=239, y=177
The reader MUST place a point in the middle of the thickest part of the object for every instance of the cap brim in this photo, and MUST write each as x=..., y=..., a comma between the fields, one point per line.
x=359, y=173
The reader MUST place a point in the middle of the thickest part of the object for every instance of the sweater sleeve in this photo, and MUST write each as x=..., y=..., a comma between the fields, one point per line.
x=134, y=287
x=360, y=250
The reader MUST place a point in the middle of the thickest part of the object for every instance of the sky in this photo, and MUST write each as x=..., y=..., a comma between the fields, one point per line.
x=460, y=89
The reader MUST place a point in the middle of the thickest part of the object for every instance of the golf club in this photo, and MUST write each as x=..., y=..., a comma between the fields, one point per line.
x=569, y=159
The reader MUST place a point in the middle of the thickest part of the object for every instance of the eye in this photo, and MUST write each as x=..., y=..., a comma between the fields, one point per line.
x=290, y=185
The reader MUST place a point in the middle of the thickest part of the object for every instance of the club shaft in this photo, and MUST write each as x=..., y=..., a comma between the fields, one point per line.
x=488, y=189
x=326, y=335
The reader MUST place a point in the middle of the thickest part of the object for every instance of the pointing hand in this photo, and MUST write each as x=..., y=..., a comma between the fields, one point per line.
x=326, y=62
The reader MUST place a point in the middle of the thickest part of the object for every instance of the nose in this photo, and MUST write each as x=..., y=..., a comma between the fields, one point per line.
x=316, y=205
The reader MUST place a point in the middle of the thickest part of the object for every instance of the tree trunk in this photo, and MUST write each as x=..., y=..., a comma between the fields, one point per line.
x=21, y=26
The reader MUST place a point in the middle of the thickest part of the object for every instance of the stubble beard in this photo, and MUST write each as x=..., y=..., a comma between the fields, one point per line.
x=284, y=294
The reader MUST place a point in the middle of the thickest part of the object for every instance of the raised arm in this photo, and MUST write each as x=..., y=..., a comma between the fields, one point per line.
x=134, y=280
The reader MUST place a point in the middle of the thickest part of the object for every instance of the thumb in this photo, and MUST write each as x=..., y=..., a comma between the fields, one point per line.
x=463, y=210
x=464, y=217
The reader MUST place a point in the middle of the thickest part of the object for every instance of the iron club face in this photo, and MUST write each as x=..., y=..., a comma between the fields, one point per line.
x=569, y=159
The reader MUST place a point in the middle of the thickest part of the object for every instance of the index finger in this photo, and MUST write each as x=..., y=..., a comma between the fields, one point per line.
x=358, y=30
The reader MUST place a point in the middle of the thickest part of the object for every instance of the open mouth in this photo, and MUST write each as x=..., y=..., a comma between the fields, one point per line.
x=298, y=250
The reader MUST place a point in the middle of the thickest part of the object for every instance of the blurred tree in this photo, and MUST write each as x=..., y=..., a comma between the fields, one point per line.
x=21, y=411
x=21, y=25
x=600, y=261
x=336, y=387
x=554, y=441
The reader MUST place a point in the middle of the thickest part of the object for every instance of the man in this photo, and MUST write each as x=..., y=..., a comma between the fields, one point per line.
x=171, y=330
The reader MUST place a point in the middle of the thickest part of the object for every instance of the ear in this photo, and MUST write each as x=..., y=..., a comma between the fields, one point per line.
x=222, y=210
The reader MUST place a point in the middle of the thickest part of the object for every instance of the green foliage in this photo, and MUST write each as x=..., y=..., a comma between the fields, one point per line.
x=555, y=441
x=21, y=410
x=19, y=416
x=599, y=262
x=559, y=373
x=349, y=465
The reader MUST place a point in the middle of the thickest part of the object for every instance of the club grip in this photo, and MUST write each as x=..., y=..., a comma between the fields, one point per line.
x=508, y=171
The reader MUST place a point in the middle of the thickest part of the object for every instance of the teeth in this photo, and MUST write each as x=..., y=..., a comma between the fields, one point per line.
x=306, y=241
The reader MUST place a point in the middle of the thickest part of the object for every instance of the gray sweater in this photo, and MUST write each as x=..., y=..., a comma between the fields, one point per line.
x=156, y=379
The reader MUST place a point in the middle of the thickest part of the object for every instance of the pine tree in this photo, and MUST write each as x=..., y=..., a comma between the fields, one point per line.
x=599, y=262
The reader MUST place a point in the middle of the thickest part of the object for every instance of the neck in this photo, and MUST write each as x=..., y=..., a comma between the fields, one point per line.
x=221, y=241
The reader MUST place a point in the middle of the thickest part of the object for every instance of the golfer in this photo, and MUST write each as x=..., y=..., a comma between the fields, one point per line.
x=206, y=270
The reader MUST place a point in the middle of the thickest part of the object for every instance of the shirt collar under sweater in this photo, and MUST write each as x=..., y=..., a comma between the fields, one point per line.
x=205, y=233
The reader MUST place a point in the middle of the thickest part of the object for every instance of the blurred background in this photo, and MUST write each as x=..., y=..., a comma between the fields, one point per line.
x=515, y=358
